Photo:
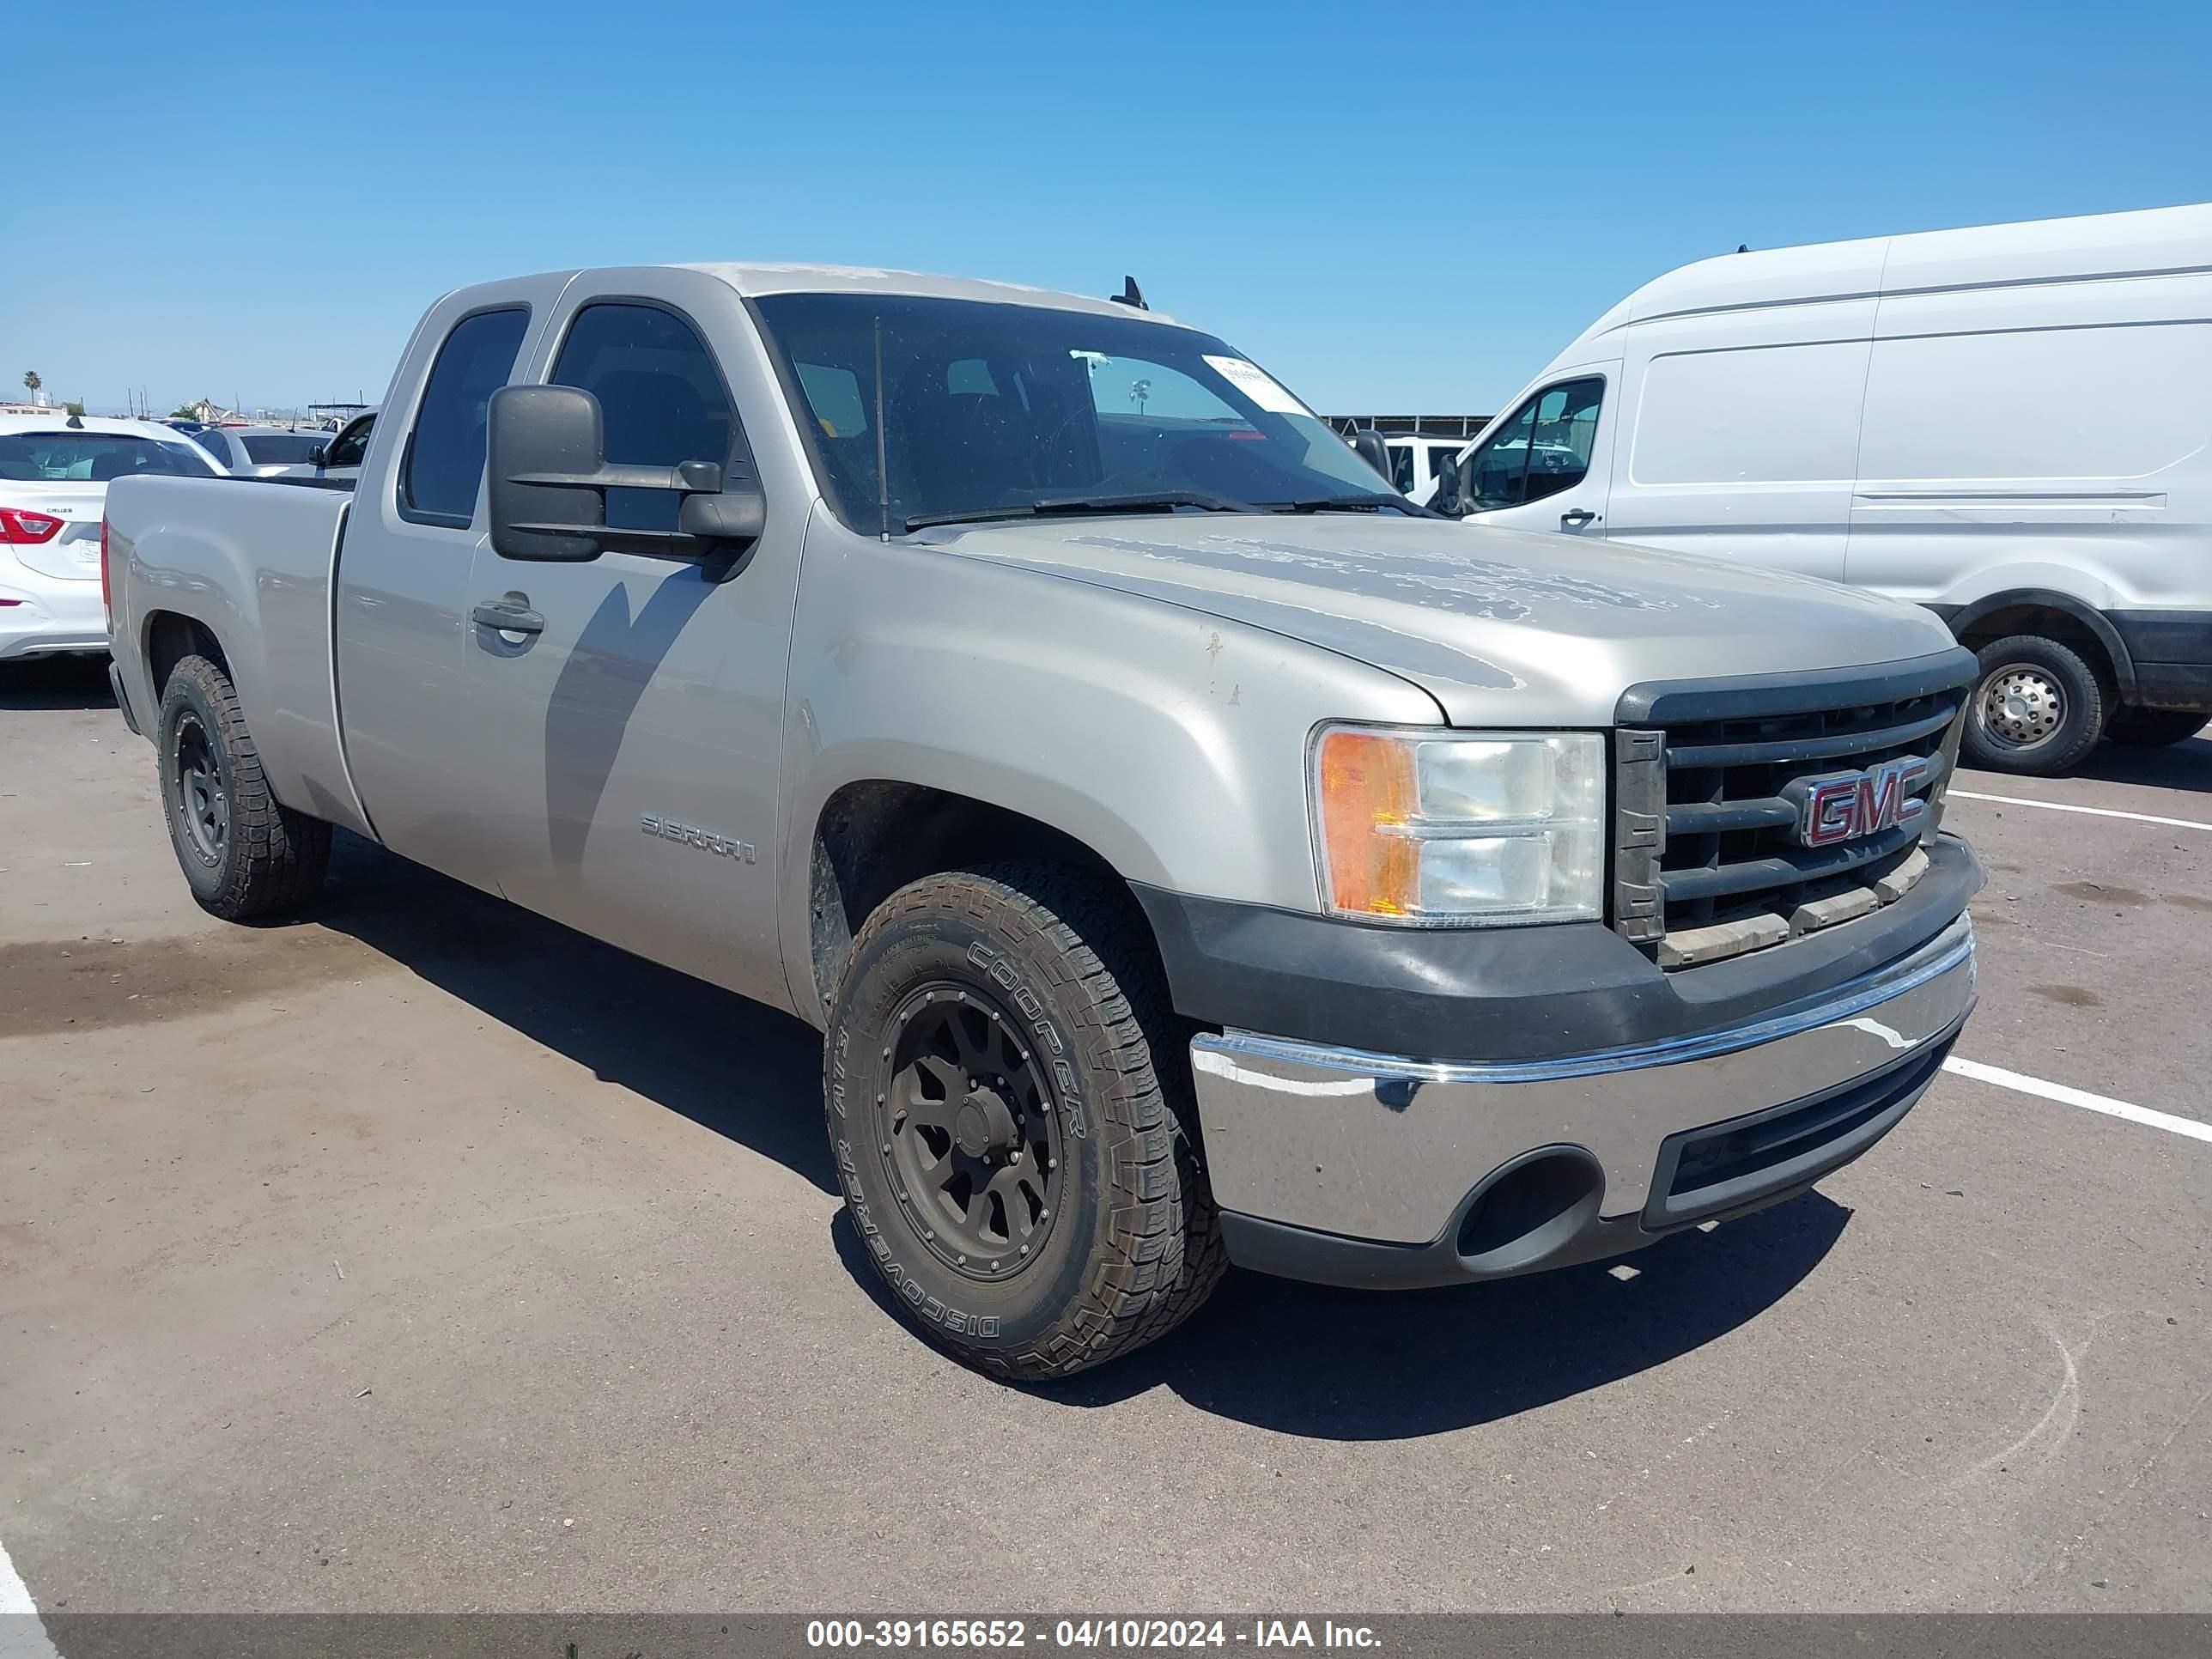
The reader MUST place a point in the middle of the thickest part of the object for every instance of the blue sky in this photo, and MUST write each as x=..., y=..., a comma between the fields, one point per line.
x=1408, y=206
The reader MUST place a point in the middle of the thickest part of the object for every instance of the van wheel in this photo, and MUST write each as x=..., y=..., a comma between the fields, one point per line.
x=2154, y=728
x=2038, y=708
x=1009, y=1106
x=244, y=855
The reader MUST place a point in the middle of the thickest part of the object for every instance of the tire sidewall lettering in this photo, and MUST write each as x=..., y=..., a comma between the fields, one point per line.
x=1000, y=970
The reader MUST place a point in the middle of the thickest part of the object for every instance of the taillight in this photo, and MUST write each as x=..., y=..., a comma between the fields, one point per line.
x=106, y=594
x=20, y=526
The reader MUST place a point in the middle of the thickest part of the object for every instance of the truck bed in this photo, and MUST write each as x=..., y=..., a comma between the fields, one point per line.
x=254, y=567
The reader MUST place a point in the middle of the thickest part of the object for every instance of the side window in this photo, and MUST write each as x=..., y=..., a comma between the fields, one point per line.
x=660, y=395
x=348, y=447
x=1401, y=467
x=1543, y=449
x=1128, y=386
x=970, y=374
x=443, y=468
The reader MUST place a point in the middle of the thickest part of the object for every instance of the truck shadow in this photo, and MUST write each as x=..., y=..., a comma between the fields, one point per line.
x=56, y=683
x=1335, y=1365
x=747, y=1072
x=1300, y=1359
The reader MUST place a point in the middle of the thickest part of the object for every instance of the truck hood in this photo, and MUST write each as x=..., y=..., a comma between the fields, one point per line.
x=1502, y=627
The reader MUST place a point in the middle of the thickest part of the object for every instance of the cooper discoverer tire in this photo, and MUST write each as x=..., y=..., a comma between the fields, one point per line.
x=244, y=855
x=1009, y=1109
x=2037, y=708
x=2154, y=728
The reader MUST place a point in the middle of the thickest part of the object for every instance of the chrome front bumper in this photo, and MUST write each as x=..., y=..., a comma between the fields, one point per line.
x=1389, y=1150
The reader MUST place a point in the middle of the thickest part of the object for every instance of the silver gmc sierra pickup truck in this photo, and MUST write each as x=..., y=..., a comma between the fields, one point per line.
x=1194, y=851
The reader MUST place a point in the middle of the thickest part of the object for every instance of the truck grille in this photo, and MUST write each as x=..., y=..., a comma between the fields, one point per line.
x=1708, y=858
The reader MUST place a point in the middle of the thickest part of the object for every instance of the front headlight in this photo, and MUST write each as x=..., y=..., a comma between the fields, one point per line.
x=1455, y=828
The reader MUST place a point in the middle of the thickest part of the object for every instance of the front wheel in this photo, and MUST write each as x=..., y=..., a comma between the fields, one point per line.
x=2154, y=728
x=2037, y=707
x=1008, y=1106
x=244, y=853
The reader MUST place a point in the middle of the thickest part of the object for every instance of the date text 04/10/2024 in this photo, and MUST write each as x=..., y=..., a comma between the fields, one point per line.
x=1089, y=1634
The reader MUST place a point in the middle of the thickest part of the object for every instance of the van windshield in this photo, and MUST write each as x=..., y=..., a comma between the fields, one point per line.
x=992, y=410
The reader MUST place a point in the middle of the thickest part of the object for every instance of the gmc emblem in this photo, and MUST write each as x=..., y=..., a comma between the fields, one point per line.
x=1841, y=806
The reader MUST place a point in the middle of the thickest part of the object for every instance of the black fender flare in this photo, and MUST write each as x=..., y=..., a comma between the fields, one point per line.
x=1961, y=618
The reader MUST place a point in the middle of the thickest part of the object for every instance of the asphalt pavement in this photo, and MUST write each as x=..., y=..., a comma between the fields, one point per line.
x=425, y=1255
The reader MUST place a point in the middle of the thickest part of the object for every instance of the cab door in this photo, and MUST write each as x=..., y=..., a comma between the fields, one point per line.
x=401, y=604
x=627, y=711
x=1545, y=465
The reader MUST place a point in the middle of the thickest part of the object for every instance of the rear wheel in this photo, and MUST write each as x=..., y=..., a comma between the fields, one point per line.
x=2038, y=708
x=1008, y=1104
x=2154, y=728
x=244, y=855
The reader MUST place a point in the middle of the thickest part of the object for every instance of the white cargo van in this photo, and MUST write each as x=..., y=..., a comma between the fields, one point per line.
x=2010, y=424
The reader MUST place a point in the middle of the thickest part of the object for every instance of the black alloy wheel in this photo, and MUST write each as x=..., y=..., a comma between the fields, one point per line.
x=969, y=1133
x=202, y=794
x=245, y=854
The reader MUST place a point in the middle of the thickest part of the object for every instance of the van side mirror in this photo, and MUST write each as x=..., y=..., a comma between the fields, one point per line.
x=1450, y=498
x=1368, y=445
x=319, y=455
x=546, y=455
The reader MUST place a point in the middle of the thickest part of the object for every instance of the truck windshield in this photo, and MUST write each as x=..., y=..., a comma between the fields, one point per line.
x=991, y=410
x=95, y=457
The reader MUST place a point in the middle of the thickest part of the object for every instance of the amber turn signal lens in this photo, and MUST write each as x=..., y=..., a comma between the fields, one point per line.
x=1367, y=793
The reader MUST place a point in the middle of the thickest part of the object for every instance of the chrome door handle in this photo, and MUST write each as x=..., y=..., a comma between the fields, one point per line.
x=508, y=618
x=1576, y=517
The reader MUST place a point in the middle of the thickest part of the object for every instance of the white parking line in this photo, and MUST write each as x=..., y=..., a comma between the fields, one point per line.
x=22, y=1635
x=2089, y=812
x=2081, y=1097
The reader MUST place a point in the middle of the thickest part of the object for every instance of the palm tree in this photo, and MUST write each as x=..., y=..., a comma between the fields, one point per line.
x=31, y=383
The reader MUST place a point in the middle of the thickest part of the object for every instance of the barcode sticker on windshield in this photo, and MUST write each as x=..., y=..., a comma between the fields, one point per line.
x=1252, y=381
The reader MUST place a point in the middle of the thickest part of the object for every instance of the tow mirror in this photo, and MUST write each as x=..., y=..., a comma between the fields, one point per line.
x=546, y=455
x=1368, y=445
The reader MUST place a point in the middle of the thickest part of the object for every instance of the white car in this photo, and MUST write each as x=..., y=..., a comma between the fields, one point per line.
x=54, y=473
x=263, y=452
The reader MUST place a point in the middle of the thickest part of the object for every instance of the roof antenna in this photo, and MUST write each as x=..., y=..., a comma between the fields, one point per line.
x=1131, y=294
x=75, y=421
x=1743, y=247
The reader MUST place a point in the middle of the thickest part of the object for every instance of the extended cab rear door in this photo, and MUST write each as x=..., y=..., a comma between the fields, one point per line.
x=628, y=711
x=401, y=582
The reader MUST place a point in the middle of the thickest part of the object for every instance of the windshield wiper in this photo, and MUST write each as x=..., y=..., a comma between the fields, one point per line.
x=1374, y=502
x=1160, y=500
